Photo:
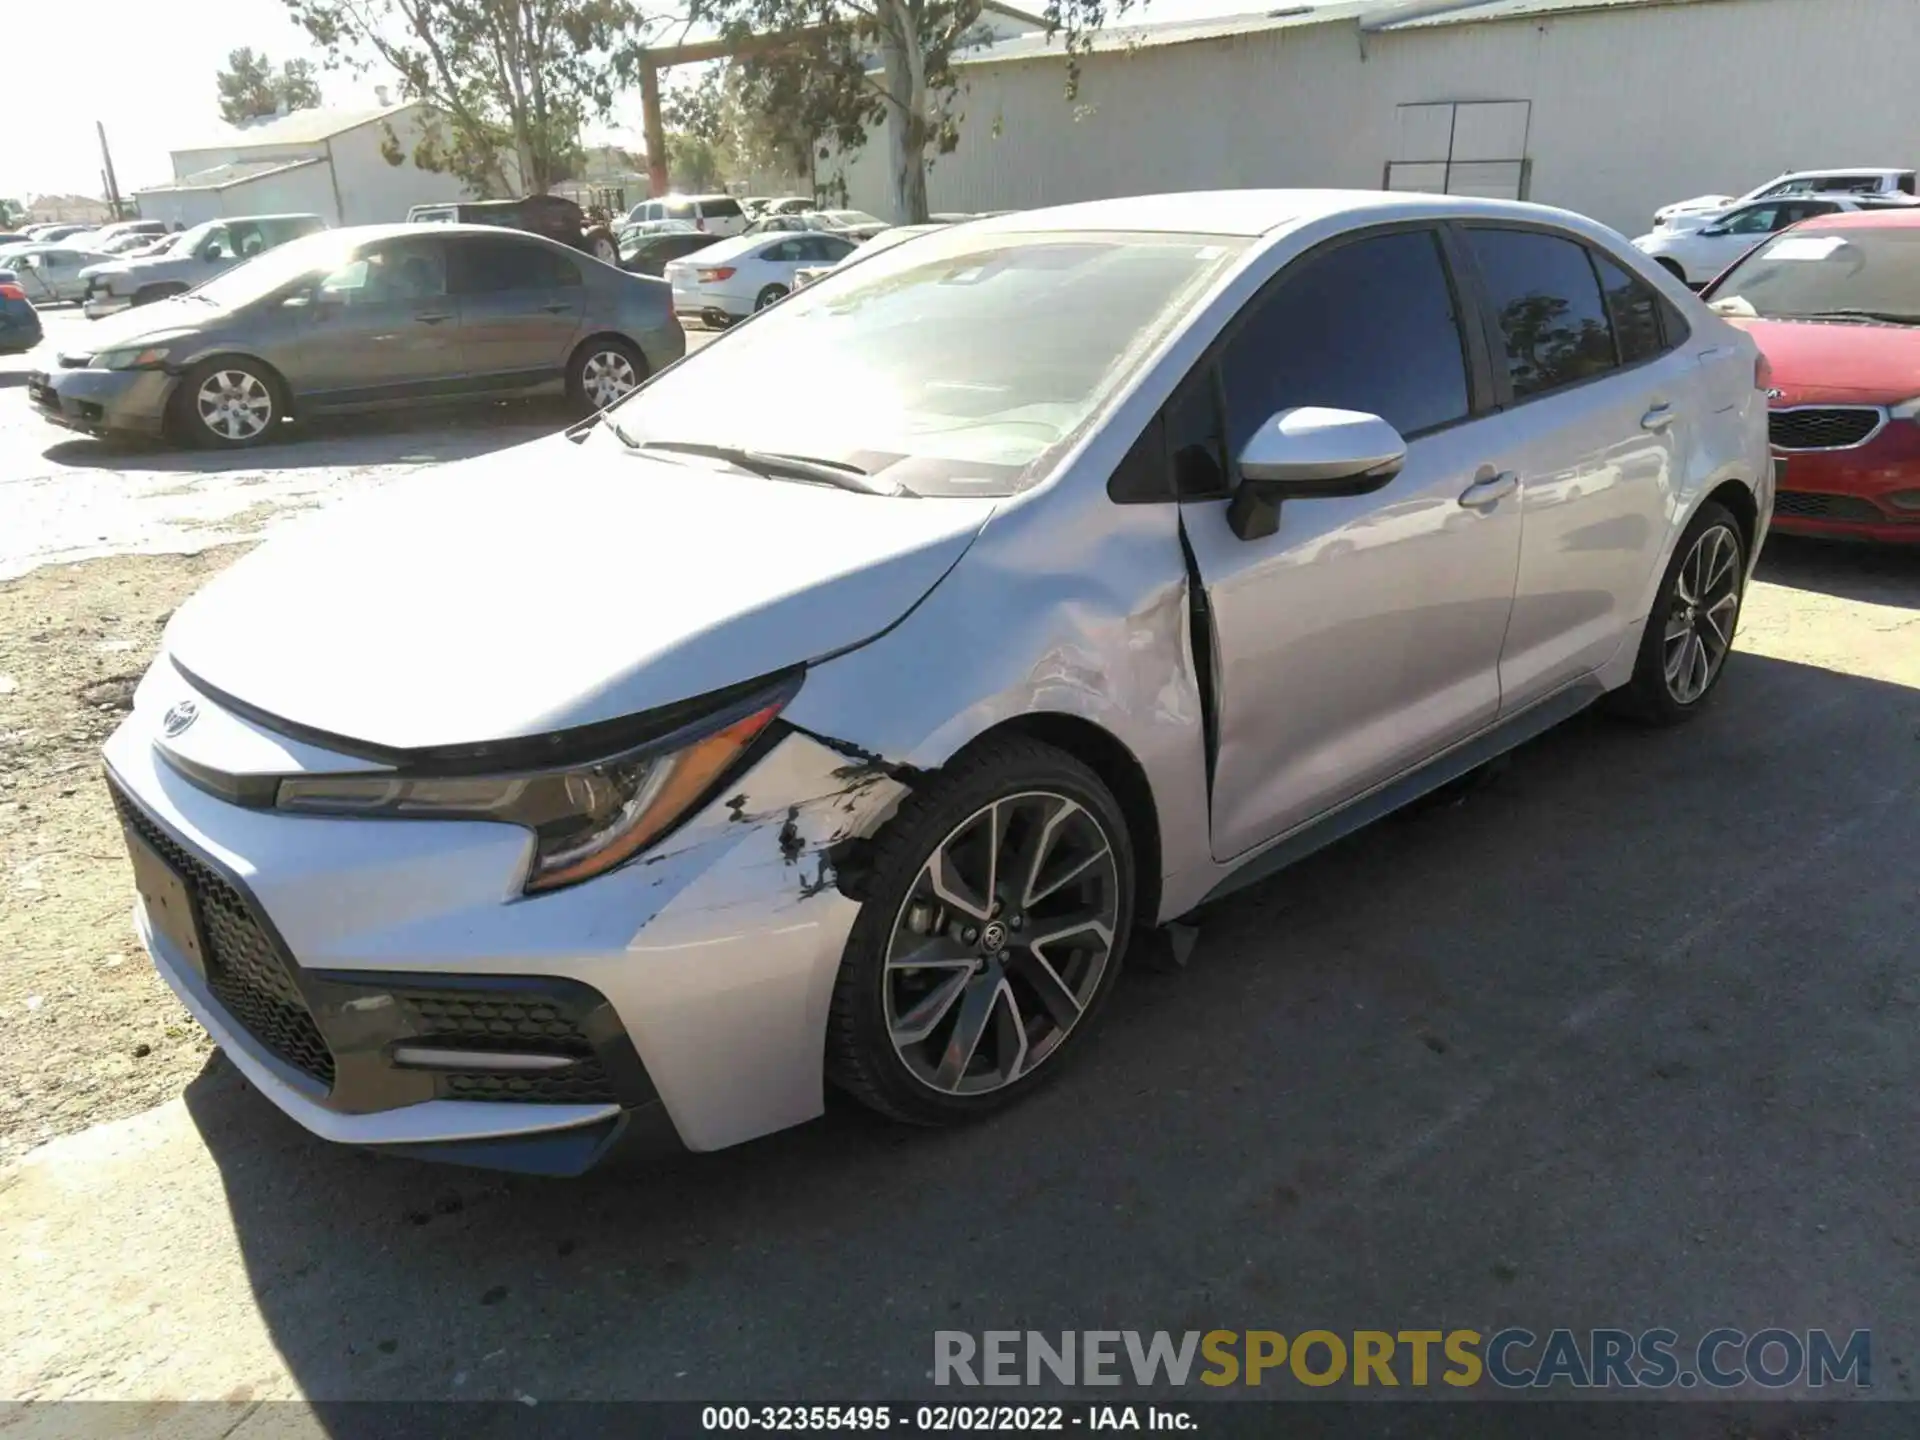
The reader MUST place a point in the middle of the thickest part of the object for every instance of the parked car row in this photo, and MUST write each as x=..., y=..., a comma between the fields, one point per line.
x=1834, y=304
x=1698, y=253
x=362, y=318
x=1702, y=209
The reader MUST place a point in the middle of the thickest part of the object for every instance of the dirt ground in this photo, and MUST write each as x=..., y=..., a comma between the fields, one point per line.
x=87, y=1031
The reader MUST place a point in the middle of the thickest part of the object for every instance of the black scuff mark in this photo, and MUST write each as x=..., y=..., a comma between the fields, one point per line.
x=737, y=807
x=869, y=764
x=792, y=847
x=823, y=880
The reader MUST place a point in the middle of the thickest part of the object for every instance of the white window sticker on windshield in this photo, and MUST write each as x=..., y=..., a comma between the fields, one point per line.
x=1806, y=247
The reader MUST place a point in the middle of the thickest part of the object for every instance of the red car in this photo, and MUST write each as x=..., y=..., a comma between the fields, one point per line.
x=1835, y=306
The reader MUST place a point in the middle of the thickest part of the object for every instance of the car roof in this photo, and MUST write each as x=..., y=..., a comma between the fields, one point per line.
x=1843, y=170
x=1873, y=217
x=1259, y=212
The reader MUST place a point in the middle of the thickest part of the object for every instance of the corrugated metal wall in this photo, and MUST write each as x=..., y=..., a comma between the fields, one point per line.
x=1630, y=109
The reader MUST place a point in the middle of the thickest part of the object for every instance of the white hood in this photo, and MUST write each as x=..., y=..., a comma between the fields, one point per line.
x=555, y=585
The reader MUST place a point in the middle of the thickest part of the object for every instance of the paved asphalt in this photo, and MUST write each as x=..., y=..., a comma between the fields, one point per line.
x=1623, y=1037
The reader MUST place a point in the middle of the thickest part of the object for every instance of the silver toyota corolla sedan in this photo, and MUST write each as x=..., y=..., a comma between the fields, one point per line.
x=840, y=708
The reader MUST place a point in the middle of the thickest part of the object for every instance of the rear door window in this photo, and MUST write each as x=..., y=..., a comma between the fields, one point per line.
x=483, y=265
x=1634, y=311
x=722, y=209
x=1546, y=298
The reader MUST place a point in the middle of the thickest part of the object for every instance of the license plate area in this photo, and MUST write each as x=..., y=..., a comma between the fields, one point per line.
x=168, y=901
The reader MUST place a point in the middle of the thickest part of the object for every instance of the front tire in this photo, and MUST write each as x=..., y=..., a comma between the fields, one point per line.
x=769, y=296
x=997, y=909
x=1690, y=630
x=1673, y=268
x=229, y=404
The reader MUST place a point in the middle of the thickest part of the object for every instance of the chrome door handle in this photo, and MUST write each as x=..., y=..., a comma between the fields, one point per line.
x=1489, y=490
x=1659, y=418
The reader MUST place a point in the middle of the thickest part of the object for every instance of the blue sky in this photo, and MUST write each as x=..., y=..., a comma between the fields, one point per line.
x=146, y=69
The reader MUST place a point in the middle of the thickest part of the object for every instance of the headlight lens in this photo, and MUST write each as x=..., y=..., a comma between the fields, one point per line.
x=1910, y=410
x=136, y=358
x=586, y=819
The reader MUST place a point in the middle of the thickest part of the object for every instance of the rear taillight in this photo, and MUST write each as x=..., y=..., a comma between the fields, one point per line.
x=1762, y=374
x=725, y=272
x=10, y=291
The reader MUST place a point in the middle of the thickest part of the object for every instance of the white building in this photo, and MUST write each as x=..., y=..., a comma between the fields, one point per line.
x=323, y=162
x=1609, y=107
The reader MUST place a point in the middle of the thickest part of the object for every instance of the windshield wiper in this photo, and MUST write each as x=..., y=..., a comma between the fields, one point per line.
x=836, y=473
x=1889, y=317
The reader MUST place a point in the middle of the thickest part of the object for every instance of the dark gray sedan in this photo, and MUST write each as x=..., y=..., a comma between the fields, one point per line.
x=368, y=318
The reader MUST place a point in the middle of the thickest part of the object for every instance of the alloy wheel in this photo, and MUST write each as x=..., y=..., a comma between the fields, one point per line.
x=606, y=377
x=1700, y=622
x=1001, y=943
x=234, y=404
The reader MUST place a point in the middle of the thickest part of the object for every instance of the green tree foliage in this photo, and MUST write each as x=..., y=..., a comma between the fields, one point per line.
x=850, y=64
x=509, y=82
x=250, y=88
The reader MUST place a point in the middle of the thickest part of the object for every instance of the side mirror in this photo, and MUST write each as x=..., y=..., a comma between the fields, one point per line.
x=1311, y=453
x=1712, y=230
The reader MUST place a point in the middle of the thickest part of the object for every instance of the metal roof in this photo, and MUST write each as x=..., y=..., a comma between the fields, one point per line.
x=221, y=177
x=1376, y=16
x=1489, y=10
x=1176, y=32
x=300, y=127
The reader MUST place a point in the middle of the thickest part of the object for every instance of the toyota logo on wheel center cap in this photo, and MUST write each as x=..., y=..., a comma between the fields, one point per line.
x=994, y=937
x=179, y=717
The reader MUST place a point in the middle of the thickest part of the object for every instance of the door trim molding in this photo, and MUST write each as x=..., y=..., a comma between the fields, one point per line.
x=1356, y=814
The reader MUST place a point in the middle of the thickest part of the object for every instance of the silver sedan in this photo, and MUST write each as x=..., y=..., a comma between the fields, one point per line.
x=845, y=706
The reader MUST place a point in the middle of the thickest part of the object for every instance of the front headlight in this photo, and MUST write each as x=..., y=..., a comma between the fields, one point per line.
x=1907, y=410
x=586, y=819
x=139, y=357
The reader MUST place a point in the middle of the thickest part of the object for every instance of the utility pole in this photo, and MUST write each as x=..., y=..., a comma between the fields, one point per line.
x=106, y=159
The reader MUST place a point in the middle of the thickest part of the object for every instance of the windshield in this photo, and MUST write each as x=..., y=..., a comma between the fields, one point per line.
x=274, y=269
x=955, y=366
x=1857, y=273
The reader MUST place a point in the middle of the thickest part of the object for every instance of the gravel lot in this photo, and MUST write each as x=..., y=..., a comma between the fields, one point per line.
x=1623, y=1037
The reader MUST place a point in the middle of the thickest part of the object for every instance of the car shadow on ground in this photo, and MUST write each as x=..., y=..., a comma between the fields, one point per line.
x=1875, y=574
x=412, y=436
x=1622, y=1036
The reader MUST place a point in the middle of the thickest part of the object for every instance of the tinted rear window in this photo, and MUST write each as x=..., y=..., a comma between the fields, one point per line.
x=1548, y=302
x=721, y=209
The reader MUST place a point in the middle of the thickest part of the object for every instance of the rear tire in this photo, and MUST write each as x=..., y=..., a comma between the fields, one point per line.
x=768, y=297
x=603, y=372
x=996, y=910
x=1690, y=630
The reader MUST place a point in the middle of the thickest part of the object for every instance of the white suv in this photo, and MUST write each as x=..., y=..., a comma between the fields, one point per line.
x=1702, y=209
x=713, y=214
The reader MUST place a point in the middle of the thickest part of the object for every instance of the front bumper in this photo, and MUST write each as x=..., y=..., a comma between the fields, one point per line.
x=98, y=401
x=691, y=987
x=1850, y=494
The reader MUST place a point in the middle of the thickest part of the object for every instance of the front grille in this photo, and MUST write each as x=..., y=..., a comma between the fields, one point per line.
x=503, y=1020
x=1837, y=427
x=1808, y=505
x=245, y=970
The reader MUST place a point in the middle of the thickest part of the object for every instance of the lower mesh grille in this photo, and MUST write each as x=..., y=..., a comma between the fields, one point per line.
x=505, y=1020
x=1809, y=505
x=245, y=970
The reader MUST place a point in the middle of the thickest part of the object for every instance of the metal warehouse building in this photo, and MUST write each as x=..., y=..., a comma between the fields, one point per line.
x=1610, y=107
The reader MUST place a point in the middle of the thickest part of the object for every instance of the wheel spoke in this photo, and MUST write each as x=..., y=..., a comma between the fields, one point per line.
x=1720, y=617
x=925, y=1017
x=1056, y=996
x=945, y=882
x=982, y=994
x=1009, y=1034
x=1093, y=922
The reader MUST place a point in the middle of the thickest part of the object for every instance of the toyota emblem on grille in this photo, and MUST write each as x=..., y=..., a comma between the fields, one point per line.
x=1776, y=394
x=179, y=717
